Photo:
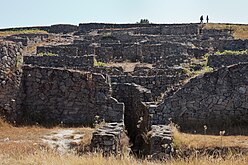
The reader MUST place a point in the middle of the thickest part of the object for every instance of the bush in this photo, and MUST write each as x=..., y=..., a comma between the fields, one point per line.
x=144, y=21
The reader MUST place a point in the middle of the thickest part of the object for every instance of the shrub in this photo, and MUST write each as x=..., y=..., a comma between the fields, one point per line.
x=144, y=21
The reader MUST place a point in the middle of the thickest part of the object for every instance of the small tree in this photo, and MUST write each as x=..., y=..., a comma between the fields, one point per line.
x=144, y=21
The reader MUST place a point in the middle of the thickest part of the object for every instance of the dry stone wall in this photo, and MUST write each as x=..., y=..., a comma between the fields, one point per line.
x=160, y=142
x=61, y=50
x=222, y=44
x=217, y=99
x=108, y=139
x=27, y=39
x=165, y=29
x=189, y=29
x=63, y=28
x=86, y=27
x=72, y=62
x=158, y=84
x=217, y=33
x=10, y=78
x=72, y=97
x=217, y=61
x=136, y=112
x=118, y=52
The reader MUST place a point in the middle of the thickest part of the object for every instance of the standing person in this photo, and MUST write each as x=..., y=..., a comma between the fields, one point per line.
x=201, y=19
x=207, y=19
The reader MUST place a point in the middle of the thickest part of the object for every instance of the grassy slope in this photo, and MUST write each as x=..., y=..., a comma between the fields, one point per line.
x=240, y=30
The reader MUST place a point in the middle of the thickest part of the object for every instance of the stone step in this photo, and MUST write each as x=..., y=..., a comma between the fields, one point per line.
x=161, y=142
x=107, y=139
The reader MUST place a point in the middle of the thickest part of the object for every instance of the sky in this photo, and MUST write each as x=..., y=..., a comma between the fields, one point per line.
x=21, y=13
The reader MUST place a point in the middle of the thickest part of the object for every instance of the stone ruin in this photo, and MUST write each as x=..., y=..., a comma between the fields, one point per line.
x=73, y=77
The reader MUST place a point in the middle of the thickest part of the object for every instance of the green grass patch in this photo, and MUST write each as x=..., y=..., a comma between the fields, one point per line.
x=193, y=73
x=197, y=66
x=98, y=63
x=230, y=52
x=205, y=69
x=47, y=54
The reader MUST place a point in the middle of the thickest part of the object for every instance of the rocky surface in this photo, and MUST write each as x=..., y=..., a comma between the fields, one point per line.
x=74, y=62
x=160, y=142
x=215, y=99
x=108, y=138
x=28, y=39
x=218, y=61
x=136, y=111
x=60, y=95
x=63, y=28
x=63, y=141
x=10, y=78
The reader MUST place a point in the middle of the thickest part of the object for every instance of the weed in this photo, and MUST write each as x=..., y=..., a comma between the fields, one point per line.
x=98, y=63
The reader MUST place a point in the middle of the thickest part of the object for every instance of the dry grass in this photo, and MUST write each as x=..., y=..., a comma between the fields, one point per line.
x=4, y=124
x=240, y=31
x=197, y=141
x=26, y=140
x=14, y=32
x=44, y=157
x=32, y=49
x=23, y=147
x=50, y=157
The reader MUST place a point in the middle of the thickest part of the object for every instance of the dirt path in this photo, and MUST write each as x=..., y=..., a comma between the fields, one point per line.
x=129, y=66
x=62, y=140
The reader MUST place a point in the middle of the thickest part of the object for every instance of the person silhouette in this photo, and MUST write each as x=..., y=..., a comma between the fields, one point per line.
x=207, y=19
x=201, y=19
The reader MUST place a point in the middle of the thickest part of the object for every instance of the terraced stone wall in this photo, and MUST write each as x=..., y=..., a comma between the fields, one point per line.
x=217, y=61
x=27, y=39
x=72, y=97
x=165, y=29
x=61, y=50
x=63, y=28
x=222, y=44
x=216, y=99
x=72, y=62
x=158, y=84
